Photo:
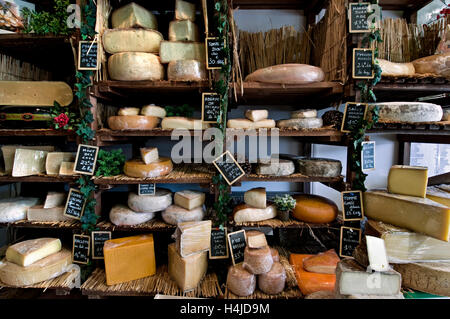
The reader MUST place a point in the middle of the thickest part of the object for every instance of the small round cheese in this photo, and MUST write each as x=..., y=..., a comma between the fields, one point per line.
x=273, y=282
x=131, y=40
x=135, y=66
x=258, y=261
x=314, y=209
x=132, y=122
x=137, y=168
x=240, y=282
x=129, y=111
x=175, y=214
x=301, y=123
x=186, y=70
x=150, y=203
x=320, y=167
x=245, y=213
x=122, y=215
x=302, y=114
x=153, y=110
x=409, y=112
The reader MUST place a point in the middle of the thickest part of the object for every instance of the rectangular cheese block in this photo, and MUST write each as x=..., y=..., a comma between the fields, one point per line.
x=377, y=255
x=177, y=50
x=438, y=195
x=256, y=197
x=55, y=199
x=27, y=252
x=184, y=10
x=9, y=151
x=35, y=93
x=66, y=169
x=420, y=215
x=29, y=162
x=189, y=199
x=183, y=30
x=408, y=180
x=257, y=115
x=41, y=214
x=193, y=237
x=54, y=160
x=187, y=272
x=149, y=155
x=129, y=258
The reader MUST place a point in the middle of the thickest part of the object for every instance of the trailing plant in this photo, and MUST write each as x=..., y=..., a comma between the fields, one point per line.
x=62, y=118
x=110, y=163
x=285, y=202
x=184, y=111
x=44, y=22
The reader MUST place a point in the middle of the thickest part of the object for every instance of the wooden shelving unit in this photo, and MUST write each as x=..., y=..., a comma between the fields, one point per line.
x=70, y=224
x=39, y=179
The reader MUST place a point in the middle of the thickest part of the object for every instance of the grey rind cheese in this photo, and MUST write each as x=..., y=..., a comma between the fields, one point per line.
x=135, y=66
x=150, y=203
x=409, y=112
x=276, y=168
x=131, y=40
x=122, y=215
x=302, y=114
x=304, y=123
x=133, y=16
x=321, y=167
x=175, y=214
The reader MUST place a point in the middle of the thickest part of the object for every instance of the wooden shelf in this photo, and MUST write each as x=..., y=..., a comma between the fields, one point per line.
x=293, y=178
x=153, y=225
x=71, y=224
x=276, y=223
x=39, y=179
x=35, y=132
x=441, y=129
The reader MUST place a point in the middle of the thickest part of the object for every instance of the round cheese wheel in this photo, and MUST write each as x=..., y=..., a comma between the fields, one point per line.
x=321, y=167
x=287, y=74
x=137, y=168
x=150, y=203
x=258, y=261
x=246, y=213
x=248, y=124
x=314, y=209
x=14, y=209
x=122, y=215
x=153, y=110
x=275, y=255
x=273, y=282
x=301, y=123
x=186, y=70
x=240, y=282
x=131, y=40
x=129, y=111
x=438, y=64
x=176, y=122
x=409, y=112
x=174, y=215
x=396, y=69
x=135, y=66
x=132, y=122
x=302, y=114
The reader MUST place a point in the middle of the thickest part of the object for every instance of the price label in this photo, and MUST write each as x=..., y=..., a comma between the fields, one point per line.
x=352, y=205
x=219, y=246
x=237, y=242
x=146, y=189
x=98, y=241
x=363, y=64
x=353, y=114
x=350, y=239
x=215, y=55
x=88, y=55
x=86, y=159
x=75, y=204
x=80, y=249
x=368, y=156
x=210, y=107
x=358, y=17
x=229, y=168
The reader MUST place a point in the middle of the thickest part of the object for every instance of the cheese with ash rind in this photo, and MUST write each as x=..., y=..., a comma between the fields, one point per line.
x=256, y=239
x=173, y=123
x=244, y=213
x=153, y=110
x=179, y=50
x=248, y=124
x=28, y=252
x=189, y=199
x=175, y=214
x=121, y=215
x=319, y=167
x=132, y=122
x=29, y=162
x=184, y=10
x=396, y=69
x=258, y=261
x=409, y=112
x=129, y=111
x=183, y=30
x=301, y=123
x=9, y=151
x=257, y=115
x=186, y=71
x=276, y=168
x=133, y=16
x=41, y=214
x=438, y=64
x=287, y=74
x=438, y=195
x=256, y=197
x=55, y=199
x=304, y=114
x=135, y=66
x=408, y=180
x=273, y=282
x=150, y=203
x=193, y=237
x=54, y=160
x=66, y=169
x=14, y=209
x=137, y=168
x=131, y=40
x=240, y=282
x=149, y=155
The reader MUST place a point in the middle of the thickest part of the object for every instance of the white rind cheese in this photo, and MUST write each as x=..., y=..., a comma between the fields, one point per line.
x=135, y=66
x=409, y=112
x=150, y=203
x=120, y=215
x=303, y=114
x=276, y=168
x=153, y=110
x=186, y=71
x=133, y=16
x=183, y=30
x=149, y=155
x=245, y=213
x=131, y=40
x=193, y=237
x=55, y=199
x=248, y=124
x=29, y=162
x=256, y=197
x=257, y=115
x=54, y=160
x=177, y=50
x=173, y=123
x=14, y=209
x=175, y=214
x=189, y=199
x=301, y=123
x=28, y=252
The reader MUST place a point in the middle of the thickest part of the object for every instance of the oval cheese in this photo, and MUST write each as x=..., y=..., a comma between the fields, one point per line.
x=409, y=112
x=173, y=123
x=153, y=110
x=150, y=203
x=245, y=213
x=121, y=215
x=175, y=214
x=131, y=40
x=273, y=282
x=129, y=111
x=287, y=74
x=132, y=122
x=28, y=252
x=438, y=64
x=135, y=66
x=319, y=167
x=396, y=69
x=186, y=71
x=301, y=123
x=302, y=114
x=137, y=168
x=314, y=209
x=258, y=261
x=240, y=282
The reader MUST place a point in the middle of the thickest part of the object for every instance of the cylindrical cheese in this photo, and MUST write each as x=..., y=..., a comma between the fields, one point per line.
x=150, y=203
x=302, y=114
x=132, y=122
x=396, y=69
x=153, y=110
x=301, y=123
x=175, y=214
x=314, y=209
x=409, y=112
x=320, y=167
x=287, y=74
x=258, y=261
x=273, y=282
x=438, y=64
x=173, y=123
x=186, y=70
x=124, y=111
x=137, y=168
x=122, y=215
x=275, y=255
x=135, y=66
x=240, y=282
x=131, y=40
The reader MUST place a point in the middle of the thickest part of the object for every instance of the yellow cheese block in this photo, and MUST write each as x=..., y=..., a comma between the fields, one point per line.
x=137, y=168
x=438, y=195
x=29, y=162
x=133, y=16
x=193, y=237
x=408, y=180
x=29, y=251
x=9, y=152
x=35, y=93
x=129, y=258
x=54, y=160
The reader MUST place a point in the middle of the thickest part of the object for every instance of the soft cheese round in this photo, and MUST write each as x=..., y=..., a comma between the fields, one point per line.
x=135, y=66
x=14, y=209
x=131, y=40
x=409, y=112
x=122, y=215
x=137, y=168
x=150, y=203
x=175, y=214
x=132, y=122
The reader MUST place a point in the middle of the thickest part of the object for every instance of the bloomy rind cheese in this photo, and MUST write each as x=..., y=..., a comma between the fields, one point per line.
x=29, y=162
x=396, y=69
x=54, y=160
x=193, y=237
x=28, y=252
x=150, y=203
x=287, y=74
x=301, y=123
x=178, y=50
x=240, y=282
x=133, y=16
x=135, y=66
x=408, y=180
x=183, y=30
x=173, y=123
x=131, y=40
x=137, y=168
x=244, y=213
x=409, y=112
x=314, y=209
x=121, y=215
x=186, y=71
x=189, y=199
x=132, y=122
x=248, y=124
x=256, y=197
x=175, y=214
x=14, y=209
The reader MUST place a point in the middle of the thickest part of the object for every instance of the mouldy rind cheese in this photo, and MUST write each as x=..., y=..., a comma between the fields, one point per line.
x=258, y=261
x=186, y=71
x=193, y=237
x=173, y=123
x=153, y=110
x=184, y=10
x=137, y=168
x=189, y=199
x=132, y=122
x=135, y=66
x=29, y=162
x=276, y=168
x=124, y=111
x=256, y=197
x=55, y=199
x=438, y=195
x=66, y=169
x=408, y=180
x=149, y=155
x=150, y=203
x=41, y=214
x=133, y=16
x=321, y=167
x=178, y=50
x=183, y=30
x=249, y=125
x=28, y=252
x=175, y=214
x=14, y=209
x=131, y=40
x=396, y=69
x=54, y=160
x=409, y=112
x=273, y=282
x=9, y=151
x=257, y=115
x=314, y=209
x=121, y=215
x=287, y=74
x=244, y=213
x=306, y=123
x=240, y=282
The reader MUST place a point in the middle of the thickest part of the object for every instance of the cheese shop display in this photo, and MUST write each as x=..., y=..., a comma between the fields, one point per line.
x=180, y=50
x=183, y=30
x=408, y=180
x=175, y=214
x=287, y=74
x=131, y=40
x=137, y=168
x=133, y=16
x=9, y=153
x=135, y=66
x=193, y=237
x=150, y=203
x=121, y=215
x=314, y=209
x=301, y=119
x=14, y=209
x=186, y=71
x=409, y=112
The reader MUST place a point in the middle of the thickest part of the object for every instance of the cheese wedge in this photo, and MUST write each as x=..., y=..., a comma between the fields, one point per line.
x=408, y=180
x=186, y=71
x=256, y=197
x=28, y=252
x=9, y=151
x=29, y=162
x=55, y=199
x=133, y=16
x=193, y=237
x=149, y=155
x=54, y=160
x=256, y=239
x=189, y=199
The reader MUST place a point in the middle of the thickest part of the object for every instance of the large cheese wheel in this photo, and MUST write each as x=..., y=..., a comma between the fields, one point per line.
x=153, y=110
x=438, y=64
x=273, y=282
x=409, y=112
x=287, y=74
x=396, y=69
x=173, y=123
x=137, y=168
x=135, y=66
x=14, y=209
x=258, y=261
x=240, y=282
x=314, y=209
x=301, y=123
x=131, y=40
x=246, y=213
x=150, y=203
x=321, y=167
x=276, y=168
x=133, y=16
x=186, y=70
x=132, y=122
x=122, y=215
x=175, y=214
x=248, y=124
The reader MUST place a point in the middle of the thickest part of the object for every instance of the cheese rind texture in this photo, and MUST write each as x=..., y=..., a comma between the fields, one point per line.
x=322, y=263
x=276, y=168
x=9, y=152
x=121, y=215
x=54, y=160
x=320, y=167
x=245, y=213
x=183, y=30
x=409, y=112
x=133, y=16
x=273, y=282
x=189, y=199
x=131, y=40
x=129, y=111
x=314, y=209
x=287, y=74
x=28, y=252
x=14, y=209
x=150, y=203
x=396, y=69
x=135, y=66
x=137, y=168
x=249, y=125
x=173, y=123
x=240, y=282
x=408, y=180
x=132, y=122
x=178, y=50
x=184, y=10
x=41, y=214
x=301, y=123
x=55, y=199
x=29, y=162
x=186, y=71
x=258, y=261
x=193, y=237
x=256, y=197
x=175, y=215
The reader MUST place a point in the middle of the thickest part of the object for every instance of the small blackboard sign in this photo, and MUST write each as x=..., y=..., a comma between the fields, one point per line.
x=362, y=67
x=86, y=159
x=350, y=239
x=353, y=114
x=215, y=55
x=237, y=242
x=352, y=206
x=81, y=249
x=358, y=16
x=210, y=107
x=75, y=204
x=368, y=156
x=219, y=246
x=146, y=189
x=229, y=168
x=98, y=240
x=88, y=55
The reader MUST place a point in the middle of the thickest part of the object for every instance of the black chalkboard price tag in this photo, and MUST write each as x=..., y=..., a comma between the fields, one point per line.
x=352, y=206
x=229, y=168
x=215, y=56
x=210, y=107
x=75, y=204
x=81, y=249
x=88, y=55
x=237, y=242
x=353, y=114
x=98, y=240
x=368, y=156
x=219, y=246
x=146, y=189
x=350, y=239
x=362, y=67
x=86, y=159
x=358, y=15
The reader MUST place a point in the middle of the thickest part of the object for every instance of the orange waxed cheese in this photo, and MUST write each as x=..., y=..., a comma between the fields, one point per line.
x=137, y=168
x=314, y=209
x=323, y=263
x=129, y=258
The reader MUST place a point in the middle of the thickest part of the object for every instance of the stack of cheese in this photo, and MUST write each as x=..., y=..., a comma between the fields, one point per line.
x=255, y=207
x=33, y=261
x=188, y=256
x=150, y=165
x=51, y=211
x=188, y=207
x=134, y=43
x=302, y=119
x=262, y=264
x=255, y=119
x=134, y=118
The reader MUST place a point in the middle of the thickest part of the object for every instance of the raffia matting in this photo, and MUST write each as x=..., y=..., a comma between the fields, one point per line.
x=35, y=224
x=276, y=223
x=15, y=70
x=153, y=225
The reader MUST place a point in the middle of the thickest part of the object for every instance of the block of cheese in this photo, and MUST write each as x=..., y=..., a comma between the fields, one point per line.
x=41, y=214
x=129, y=258
x=438, y=64
x=153, y=110
x=315, y=209
x=28, y=252
x=256, y=197
x=135, y=66
x=29, y=162
x=351, y=279
x=301, y=123
x=179, y=50
x=444, y=187
x=187, y=272
x=318, y=167
x=186, y=71
x=129, y=111
x=409, y=112
x=133, y=16
x=304, y=114
x=149, y=155
x=273, y=282
x=47, y=268
x=257, y=115
x=376, y=254
x=421, y=215
x=408, y=180
x=173, y=123
x=184, y=10
x=323, y=263
x=121, y=215
x=258, y=261
x=396, y=69
x=175, y=214
x=275, y=255
x=150, y=203
x=287, y=74
x=249, y=125
x=131, y=40
x=9, y=151
x=14, y=209
x=281, y=167
x=183, y=30
x=240, y=282
x=438, y=195
x=54, y=160
x=35, y=93
x=189, y=199
x=55, y=199
x=137, y=168
x=256, y=239
x=193, y=237
x=66, y=169
x=132, y=122
x=244, y=213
